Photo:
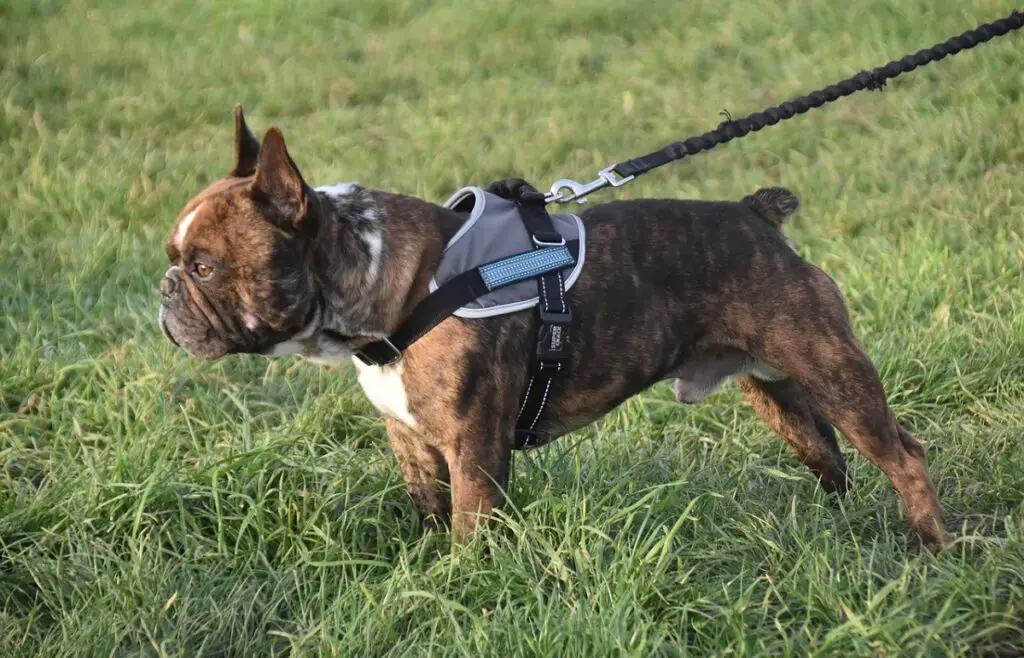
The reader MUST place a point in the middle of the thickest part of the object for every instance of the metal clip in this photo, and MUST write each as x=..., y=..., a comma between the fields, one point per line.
x=578, y=191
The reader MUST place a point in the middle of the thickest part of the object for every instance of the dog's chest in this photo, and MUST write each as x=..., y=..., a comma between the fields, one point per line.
x=384, y=387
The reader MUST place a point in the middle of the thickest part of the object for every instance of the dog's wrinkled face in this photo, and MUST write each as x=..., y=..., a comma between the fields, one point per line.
x=238, y=280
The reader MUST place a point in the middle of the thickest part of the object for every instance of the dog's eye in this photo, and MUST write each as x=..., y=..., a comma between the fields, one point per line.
x=202, y=270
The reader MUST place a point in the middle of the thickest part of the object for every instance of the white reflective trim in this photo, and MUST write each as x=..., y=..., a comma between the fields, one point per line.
x=478, y=209
x=502, y=309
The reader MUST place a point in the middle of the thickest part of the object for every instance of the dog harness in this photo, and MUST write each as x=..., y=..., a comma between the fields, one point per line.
x=510, y=255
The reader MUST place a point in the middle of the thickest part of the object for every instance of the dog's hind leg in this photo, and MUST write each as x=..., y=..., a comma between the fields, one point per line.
x=850, y=395
x=786, y=409
x=841, y=381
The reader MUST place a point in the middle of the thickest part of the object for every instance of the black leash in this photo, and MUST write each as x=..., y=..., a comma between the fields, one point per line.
x=730, y=129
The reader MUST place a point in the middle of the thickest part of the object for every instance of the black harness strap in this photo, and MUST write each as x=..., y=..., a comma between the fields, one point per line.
x=551, y=357
x=429, y=313
x=435, y=308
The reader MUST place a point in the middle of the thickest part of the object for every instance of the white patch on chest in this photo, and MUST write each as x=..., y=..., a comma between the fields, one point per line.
x=184, y=225
x=384, y=387
x=329, y=354
x=317, y=349
x=382, y=384
x=286, y=348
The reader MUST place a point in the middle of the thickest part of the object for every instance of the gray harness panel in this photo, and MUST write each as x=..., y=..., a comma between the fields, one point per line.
x=494, y=231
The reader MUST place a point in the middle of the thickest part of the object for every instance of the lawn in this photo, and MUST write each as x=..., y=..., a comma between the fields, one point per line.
x=154, y=504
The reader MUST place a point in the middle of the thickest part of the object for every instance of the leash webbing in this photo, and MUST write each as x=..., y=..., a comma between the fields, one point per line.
x=733, y=129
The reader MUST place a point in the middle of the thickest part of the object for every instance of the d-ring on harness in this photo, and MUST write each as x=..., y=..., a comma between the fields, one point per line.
x=551, y=253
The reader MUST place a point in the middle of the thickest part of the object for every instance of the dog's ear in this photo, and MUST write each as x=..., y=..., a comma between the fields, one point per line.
x=247, y=147
x=278, y=183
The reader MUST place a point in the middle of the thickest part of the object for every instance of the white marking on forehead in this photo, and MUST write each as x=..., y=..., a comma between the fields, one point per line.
x=183, y=226
x=338, y=189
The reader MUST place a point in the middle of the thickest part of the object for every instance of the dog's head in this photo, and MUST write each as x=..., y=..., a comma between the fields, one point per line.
x=239, y=279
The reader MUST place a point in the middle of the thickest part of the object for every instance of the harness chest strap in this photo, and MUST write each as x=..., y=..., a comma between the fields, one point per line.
x=551, y=254
x=552, y=353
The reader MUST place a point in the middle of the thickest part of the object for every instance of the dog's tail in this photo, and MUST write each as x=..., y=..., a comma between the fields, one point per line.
x=774, y=204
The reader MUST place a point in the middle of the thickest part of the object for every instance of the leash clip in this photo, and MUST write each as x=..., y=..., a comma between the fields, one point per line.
x=578, y=191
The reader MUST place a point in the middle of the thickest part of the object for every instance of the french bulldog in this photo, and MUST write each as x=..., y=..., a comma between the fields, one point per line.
x=698, y=292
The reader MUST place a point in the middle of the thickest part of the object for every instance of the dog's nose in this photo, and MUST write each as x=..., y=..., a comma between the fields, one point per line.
x=169, y=284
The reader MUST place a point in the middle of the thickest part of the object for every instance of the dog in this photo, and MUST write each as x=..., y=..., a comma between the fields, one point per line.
x=698, y=292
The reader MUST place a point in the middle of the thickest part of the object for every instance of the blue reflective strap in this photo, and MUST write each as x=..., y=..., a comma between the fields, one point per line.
x=528, y=265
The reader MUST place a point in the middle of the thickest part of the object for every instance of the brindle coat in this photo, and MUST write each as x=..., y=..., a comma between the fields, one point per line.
x=691, y=290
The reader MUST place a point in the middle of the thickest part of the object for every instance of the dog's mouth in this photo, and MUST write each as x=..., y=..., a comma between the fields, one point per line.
x=206, y=342
x=162, y=318
x=310, y=340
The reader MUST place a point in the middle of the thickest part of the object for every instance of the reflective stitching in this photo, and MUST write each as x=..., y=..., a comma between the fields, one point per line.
x=526, y=397
x=525, y=266
x=543, y=401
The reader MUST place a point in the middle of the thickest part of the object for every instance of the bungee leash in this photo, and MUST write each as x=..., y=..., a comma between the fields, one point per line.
x=616, y=175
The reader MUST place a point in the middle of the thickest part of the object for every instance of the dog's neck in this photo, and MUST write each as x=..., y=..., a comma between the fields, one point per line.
x=373, y=257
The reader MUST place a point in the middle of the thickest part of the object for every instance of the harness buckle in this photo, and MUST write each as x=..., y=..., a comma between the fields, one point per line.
x=559, y=318
x=387, y=353
x=548, y=239
x=553, y=343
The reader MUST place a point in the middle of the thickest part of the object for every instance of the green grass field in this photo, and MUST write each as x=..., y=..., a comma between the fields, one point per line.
x=153, y=504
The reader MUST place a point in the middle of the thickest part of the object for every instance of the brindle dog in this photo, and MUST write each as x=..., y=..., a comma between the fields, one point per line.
x=694, y=291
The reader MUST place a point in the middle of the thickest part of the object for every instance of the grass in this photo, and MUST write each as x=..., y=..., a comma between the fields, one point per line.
x=152, y=504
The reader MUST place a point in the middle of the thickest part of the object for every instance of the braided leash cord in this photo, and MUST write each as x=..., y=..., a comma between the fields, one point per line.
x=873, y=79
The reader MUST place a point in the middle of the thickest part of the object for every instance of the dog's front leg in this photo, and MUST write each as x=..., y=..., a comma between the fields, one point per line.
x=426, y=474
x=479, y=463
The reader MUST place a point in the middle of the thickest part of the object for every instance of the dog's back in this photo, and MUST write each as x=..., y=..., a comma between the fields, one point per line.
x=663, y=279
